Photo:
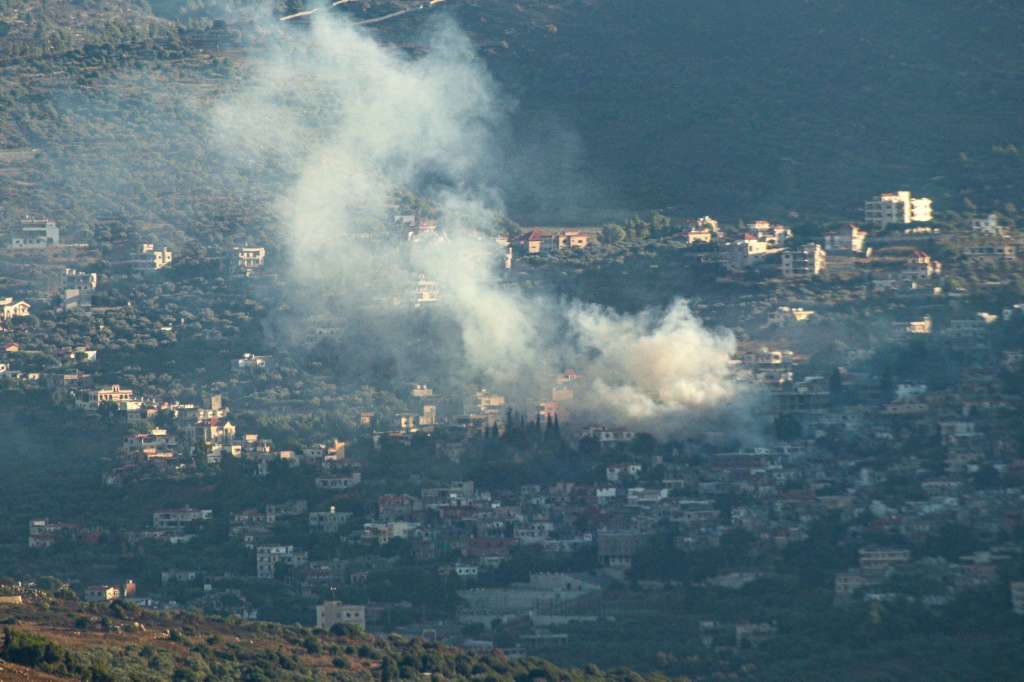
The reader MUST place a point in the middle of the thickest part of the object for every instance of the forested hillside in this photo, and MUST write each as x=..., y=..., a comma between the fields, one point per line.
x=793, y=106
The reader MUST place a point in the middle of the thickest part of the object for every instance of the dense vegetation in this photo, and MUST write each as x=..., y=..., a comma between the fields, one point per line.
x=121, y=642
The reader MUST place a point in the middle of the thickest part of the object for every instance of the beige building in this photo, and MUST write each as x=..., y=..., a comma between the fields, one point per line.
x=846, y=238
x=148, y=258
x=897, y=207
x=1017, y=597
x=93, y=398
x=807, y=261
x=248, y=257
x=333, y=612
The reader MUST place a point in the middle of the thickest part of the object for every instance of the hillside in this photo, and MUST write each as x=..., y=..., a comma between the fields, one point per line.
x=54, y=638
x=793, y=105
x=741, y=111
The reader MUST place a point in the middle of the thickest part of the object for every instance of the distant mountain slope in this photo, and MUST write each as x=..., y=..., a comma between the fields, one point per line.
x=745, y=106
x=119, y=641
x=739, y=108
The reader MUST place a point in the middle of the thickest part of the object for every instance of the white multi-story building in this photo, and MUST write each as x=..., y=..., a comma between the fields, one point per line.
x=177, y=519
x=808, y=260
x=609, y=437
x=846, y=238
x=920, y=266
x=35, y=233
x=743, y=253
x=897, y=207
x=248, y=257
x=268, y=557
x=988, y=226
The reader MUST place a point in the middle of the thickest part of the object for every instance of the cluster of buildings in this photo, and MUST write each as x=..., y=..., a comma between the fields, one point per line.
x=896, y=464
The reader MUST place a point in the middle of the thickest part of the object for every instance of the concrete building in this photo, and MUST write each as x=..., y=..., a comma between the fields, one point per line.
x=743, y=253
x=73, y=279
x=991, y=252
x=881, y=559
x=616, y=549
x=328, y=521
x=920, y=266
x=35, y=233
x=784, y=315
x=178, y=519
x=98, y=593
x=333, y=612
x=268, y=557
x=846, y=238
x=147, y=258
x=76, y=298
x=247, y=258
x=988, y=226
x=92, y=398
x=807, y=261
x=898, y=207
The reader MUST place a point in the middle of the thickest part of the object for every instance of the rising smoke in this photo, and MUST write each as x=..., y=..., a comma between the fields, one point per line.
x=351, y=121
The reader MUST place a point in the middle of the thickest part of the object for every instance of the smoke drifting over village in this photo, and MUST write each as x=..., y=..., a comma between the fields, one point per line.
x=352, y=121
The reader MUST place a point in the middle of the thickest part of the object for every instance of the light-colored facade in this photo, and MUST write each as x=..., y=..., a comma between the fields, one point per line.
x=340, y=482
x=149, y=258
x=898, y=207
x=268, y=557
x=328, y=521
x=76, y=298
x=846, y=238
x=988, y=226
x=1017, y=597
x=91, y=399
x=248, y=257
x=73, y=279
x=920, y=266
x=177, y=519
x=35, y=233
x=333, y=612
x=807, y=261
x=743, y=253
x=9, y=308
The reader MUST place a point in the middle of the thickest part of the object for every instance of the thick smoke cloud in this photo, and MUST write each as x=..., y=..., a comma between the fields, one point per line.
x=350, y=121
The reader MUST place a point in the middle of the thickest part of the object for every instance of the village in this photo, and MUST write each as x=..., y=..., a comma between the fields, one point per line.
x=472, y=518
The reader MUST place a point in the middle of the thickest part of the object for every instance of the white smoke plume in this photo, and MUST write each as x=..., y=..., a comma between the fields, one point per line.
x=348, y=120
